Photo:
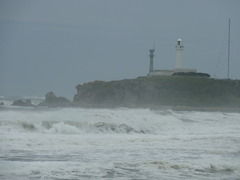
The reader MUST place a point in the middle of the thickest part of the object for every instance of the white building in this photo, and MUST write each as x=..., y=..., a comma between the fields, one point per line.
x=179, y=63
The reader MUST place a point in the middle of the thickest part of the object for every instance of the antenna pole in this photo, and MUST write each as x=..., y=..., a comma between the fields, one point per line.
x=228, y=46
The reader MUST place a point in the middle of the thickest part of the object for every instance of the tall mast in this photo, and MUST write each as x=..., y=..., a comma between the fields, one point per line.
x=151, y=55
x=228, y=46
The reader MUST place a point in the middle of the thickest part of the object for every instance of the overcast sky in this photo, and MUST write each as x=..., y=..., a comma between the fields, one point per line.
x=53, y=45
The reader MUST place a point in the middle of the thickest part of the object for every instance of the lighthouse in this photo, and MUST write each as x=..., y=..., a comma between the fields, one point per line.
x=179, y=69
x=179, y=54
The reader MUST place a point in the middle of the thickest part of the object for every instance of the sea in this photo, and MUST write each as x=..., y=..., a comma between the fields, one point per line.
x=118, y=143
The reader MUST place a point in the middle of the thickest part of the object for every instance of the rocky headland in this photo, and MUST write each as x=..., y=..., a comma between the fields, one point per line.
x=198, y=92
x=160, y=91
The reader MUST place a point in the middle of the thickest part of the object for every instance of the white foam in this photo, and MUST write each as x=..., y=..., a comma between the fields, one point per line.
x=76, y=143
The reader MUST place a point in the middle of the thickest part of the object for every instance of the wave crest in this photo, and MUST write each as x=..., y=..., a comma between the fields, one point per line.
x=72, y=127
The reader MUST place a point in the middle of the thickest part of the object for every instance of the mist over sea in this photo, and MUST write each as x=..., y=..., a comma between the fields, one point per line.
x=119, y=143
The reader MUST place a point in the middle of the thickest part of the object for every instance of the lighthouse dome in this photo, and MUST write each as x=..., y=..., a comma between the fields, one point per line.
x=179, y=42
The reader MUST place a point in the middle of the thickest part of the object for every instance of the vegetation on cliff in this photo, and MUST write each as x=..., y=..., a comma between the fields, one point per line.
x=160, y=91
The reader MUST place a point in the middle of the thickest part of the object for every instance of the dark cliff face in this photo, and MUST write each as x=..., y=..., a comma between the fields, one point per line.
x=108, y=93
x=160, y=90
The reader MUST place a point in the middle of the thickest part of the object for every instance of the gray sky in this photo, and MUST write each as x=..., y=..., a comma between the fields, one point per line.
x=53, y=45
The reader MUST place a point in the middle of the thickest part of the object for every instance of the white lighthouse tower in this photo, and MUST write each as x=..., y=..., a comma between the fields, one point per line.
x=179, y=54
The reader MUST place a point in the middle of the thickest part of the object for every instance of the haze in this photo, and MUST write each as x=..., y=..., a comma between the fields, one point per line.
x=55, y=45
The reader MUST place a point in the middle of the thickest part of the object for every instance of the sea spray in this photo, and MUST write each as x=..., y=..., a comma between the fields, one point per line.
x=120, y=143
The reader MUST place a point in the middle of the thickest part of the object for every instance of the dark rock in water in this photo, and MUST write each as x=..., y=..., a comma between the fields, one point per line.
x=1, y=103
x=51, y=97
x=20, y=102
x=52, y=100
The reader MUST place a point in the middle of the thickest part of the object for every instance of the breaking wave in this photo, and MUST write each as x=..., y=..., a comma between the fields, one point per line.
x=60, y=127
x=79, y=121
x=77, y=143
x=77, y=128
x=121, y=120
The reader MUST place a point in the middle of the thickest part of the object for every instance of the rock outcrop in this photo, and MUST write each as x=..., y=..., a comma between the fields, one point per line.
x=51, y=100
x=25, y=103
